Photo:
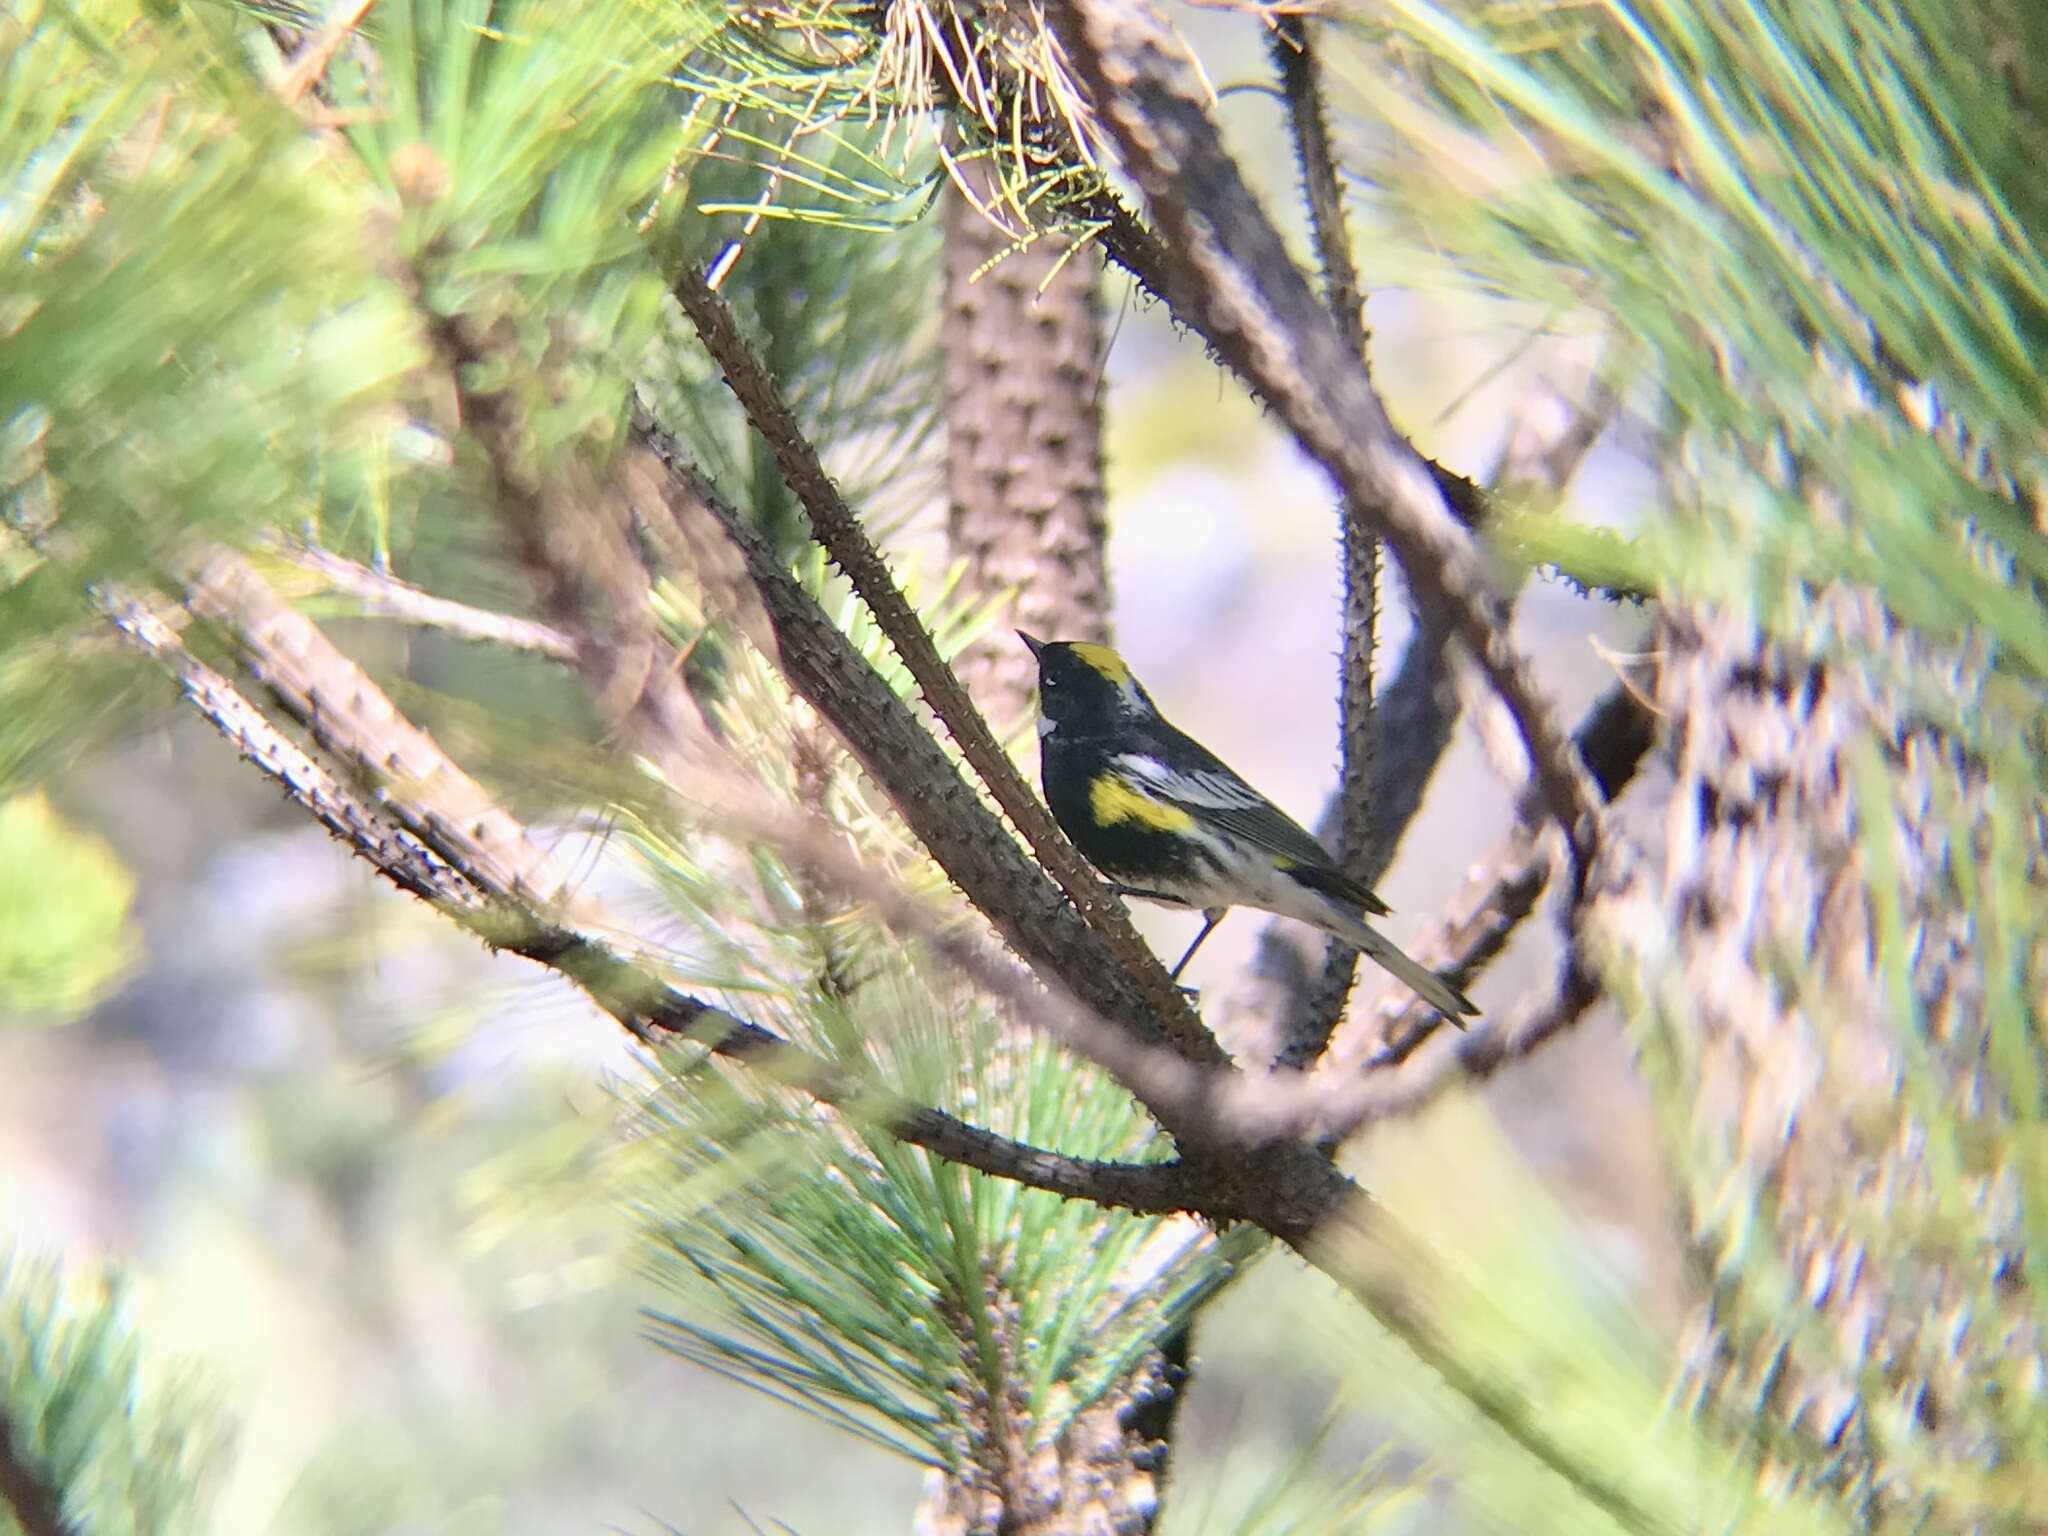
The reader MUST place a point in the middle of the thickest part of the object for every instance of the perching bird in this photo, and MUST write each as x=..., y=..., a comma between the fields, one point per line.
x=1162, y=817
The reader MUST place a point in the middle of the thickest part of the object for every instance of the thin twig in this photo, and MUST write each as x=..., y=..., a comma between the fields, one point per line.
x=1418, y=711
x=1470, y=1057
x=1301, y=87
x=1294, y=51
x=1502, y=890
x=848, y=546
x=1289, y=1189
x=387, y=597
x=1259, y=311
x=966, y=838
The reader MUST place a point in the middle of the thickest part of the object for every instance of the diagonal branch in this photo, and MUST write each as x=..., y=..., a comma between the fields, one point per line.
x=1419, y=711
x=503, y=913
x=1470, y=1057
x=427, y=792
x=1259, y=312
x=398, y=855
x=1475, y=926
x=847, y=544
x=1301, y=85
x=589, y=589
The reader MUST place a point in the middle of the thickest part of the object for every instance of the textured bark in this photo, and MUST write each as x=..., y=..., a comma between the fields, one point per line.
x=433, y=831
x=1295, y=55
x=1886, y=1347
x=1023, y=342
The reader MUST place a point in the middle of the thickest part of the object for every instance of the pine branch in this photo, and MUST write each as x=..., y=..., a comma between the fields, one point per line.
x=953, y=823
x=1468, y=1057
x=400, y=857
x=1475, y=926
x=847, y=543
x=1612, y=741
x=1287, y=1189
x=1258, y=310
x=300, y=669
x=348, y=715
x=1416, y=718
x=1299, y=61
x=1023, y=352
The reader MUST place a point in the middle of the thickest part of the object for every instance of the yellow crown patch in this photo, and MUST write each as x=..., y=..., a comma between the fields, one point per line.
x=1103, y=660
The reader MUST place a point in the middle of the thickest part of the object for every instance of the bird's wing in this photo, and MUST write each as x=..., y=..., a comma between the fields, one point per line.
x=1223, y=800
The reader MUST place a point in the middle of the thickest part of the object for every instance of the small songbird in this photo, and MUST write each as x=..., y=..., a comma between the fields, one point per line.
x=1162, y=817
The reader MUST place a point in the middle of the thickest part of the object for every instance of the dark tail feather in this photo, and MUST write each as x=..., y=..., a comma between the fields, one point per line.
x=1341, y=889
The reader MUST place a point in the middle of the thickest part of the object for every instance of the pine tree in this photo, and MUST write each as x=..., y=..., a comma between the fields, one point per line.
x=642, y=334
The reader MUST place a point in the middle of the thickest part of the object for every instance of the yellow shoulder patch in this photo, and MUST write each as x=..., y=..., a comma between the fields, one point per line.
x=1103, y=660
x=1113, y=800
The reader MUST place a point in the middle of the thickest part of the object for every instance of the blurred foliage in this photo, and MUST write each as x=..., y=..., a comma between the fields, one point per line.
x=1826, y=270
x=1817, y=227
x=65, y=936
x=165, y=227
x=126, y=1445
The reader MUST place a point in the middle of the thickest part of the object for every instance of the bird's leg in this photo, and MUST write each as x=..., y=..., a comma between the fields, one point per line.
x=1211, y=916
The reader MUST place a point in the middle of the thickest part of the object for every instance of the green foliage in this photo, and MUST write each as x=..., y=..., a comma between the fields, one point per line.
x=65, y=938
x=220, y=322
x=127, y=1446
x=843, y=319
x=227, y=322
x=186, y=349
x=144, y=392
x=891, y=1292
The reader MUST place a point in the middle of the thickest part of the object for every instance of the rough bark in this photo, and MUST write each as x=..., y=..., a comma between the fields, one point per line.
x=1023, y=344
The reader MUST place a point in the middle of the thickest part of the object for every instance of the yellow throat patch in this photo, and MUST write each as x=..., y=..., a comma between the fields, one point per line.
x=1113, y=800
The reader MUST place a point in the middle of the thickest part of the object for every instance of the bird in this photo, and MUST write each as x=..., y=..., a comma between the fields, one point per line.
x=1165, y=819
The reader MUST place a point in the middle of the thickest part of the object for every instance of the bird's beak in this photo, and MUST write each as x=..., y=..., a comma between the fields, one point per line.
x=1037, y=646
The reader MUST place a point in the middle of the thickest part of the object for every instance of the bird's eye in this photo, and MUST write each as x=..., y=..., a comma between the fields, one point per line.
x=1049, y=684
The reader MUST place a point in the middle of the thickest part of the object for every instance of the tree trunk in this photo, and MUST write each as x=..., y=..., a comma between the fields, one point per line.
x=1024, y=351
x=1023, y=340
